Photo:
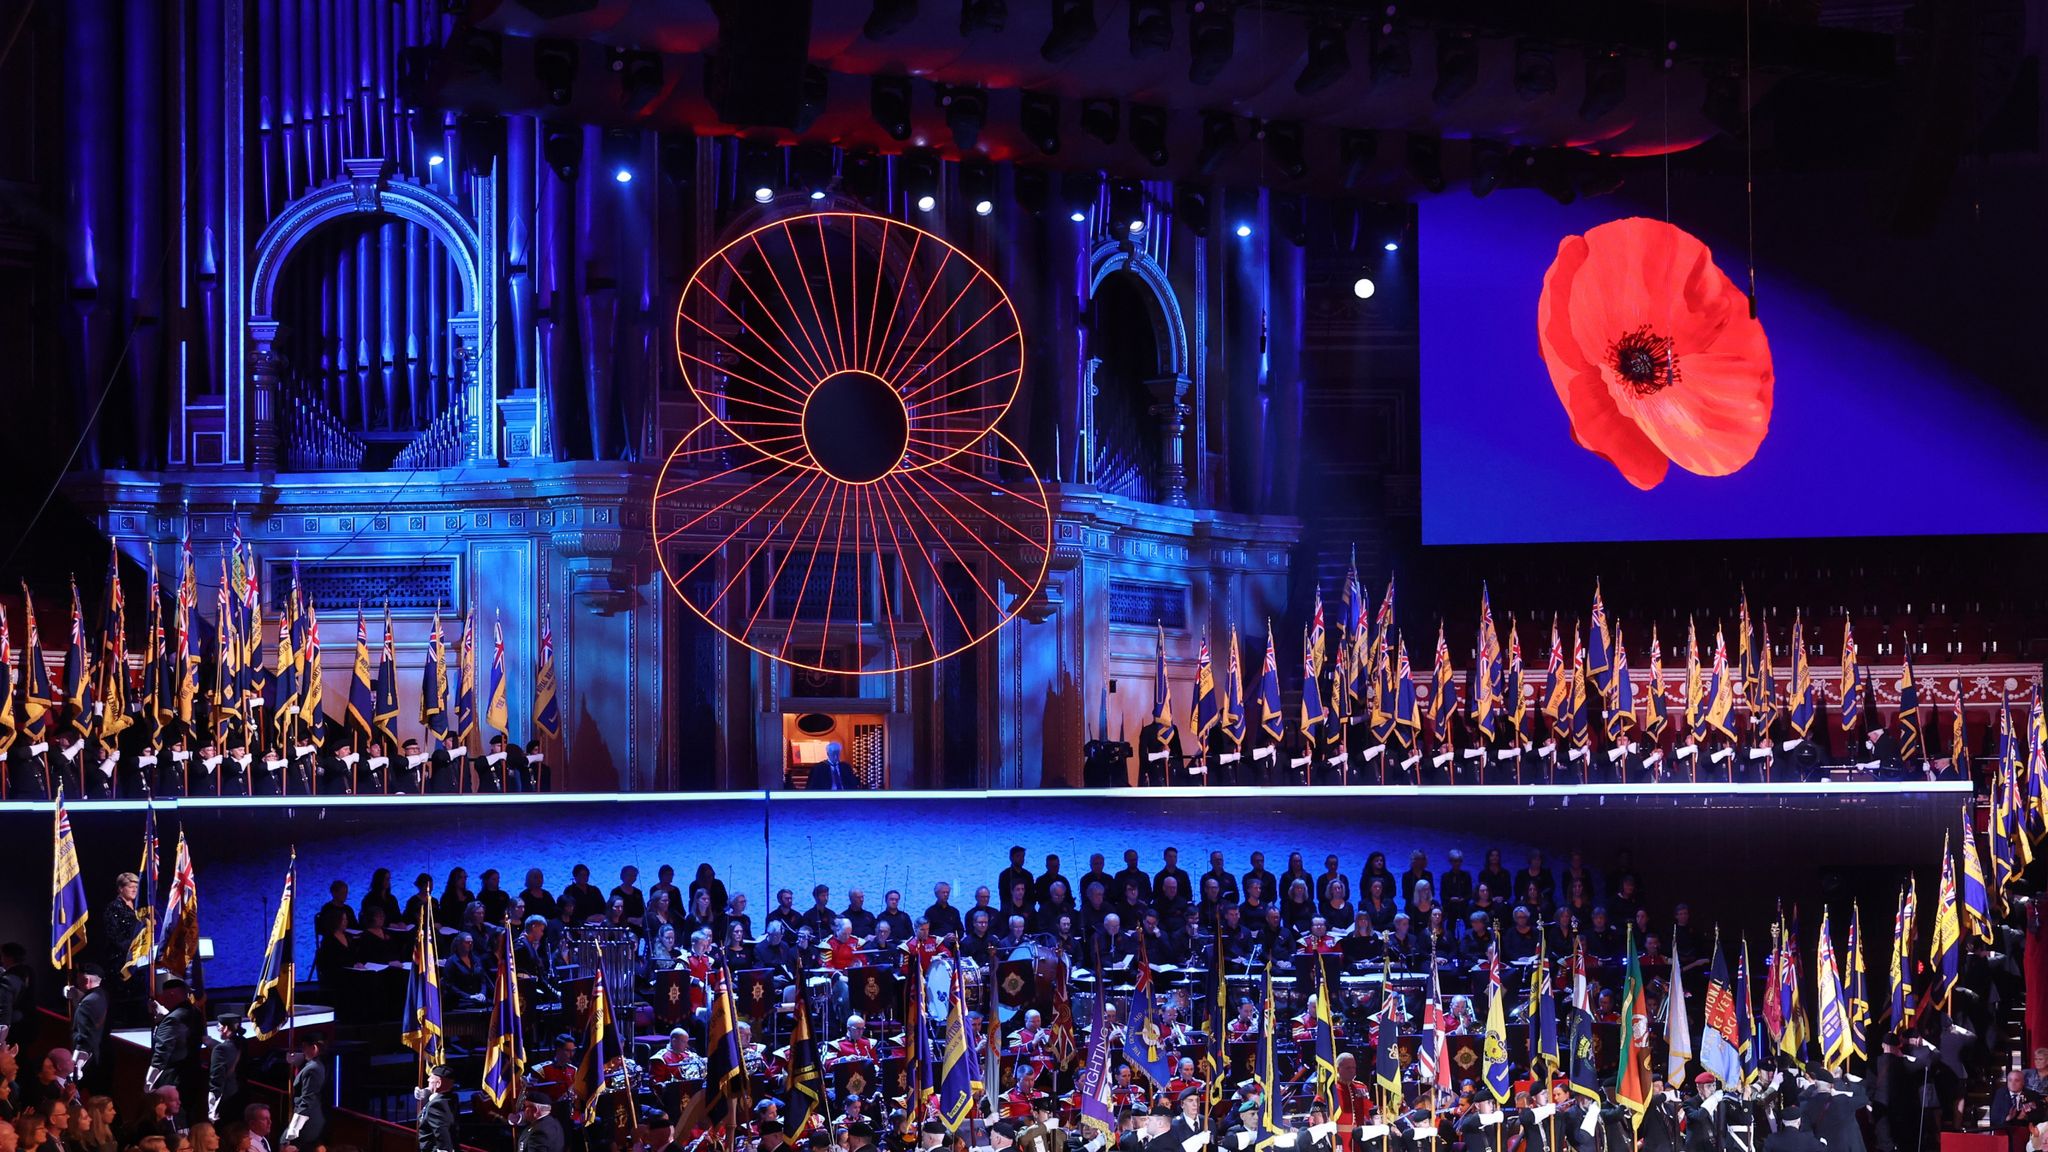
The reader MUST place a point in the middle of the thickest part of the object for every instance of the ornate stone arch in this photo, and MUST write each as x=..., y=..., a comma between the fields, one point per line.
x=1172, y=379
x=1169, y=326
x=367, y=188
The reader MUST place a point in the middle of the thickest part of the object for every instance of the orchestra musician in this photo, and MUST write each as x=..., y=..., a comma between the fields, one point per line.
x=676, y=1061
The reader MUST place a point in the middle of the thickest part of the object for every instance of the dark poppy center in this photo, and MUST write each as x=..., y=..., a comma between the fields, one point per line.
x=1645, y=359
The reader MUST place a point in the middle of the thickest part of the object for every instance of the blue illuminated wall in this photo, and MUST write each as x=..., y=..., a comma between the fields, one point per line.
x=1872, y=432
x=1731, y=856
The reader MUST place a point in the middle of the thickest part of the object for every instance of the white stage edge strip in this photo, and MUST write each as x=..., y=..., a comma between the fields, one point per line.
x=1838, y=789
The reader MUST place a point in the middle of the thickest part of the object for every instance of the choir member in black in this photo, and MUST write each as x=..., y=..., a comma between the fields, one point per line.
x=1013, y=873
x=463, y=972
x=976, y=943
x=1159, y=756
x=333, y=926
x=376, y=944
x=28, y=769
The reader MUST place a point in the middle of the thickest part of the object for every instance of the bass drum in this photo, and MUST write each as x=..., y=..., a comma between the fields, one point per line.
x=938, y=988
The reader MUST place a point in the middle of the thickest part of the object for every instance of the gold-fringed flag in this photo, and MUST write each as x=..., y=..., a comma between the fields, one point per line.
x=68, y=910
x=78, y=695
x=1271, y=719
x=384, y=714
x=1800, y=697
x=9, y=721
x=495, y=711
x=1852, y=679
x=1912, y=744
x=505, y=1040
x=113, y=668
x=362, y=690
x=1488, y=675
x=270, y=1009
x=547, y=711
x=1659, y=711
x=1834, y=1013
x=37, y=694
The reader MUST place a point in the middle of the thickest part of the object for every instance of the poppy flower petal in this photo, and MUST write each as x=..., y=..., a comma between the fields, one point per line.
x=1713, y=420
x=1607, y=431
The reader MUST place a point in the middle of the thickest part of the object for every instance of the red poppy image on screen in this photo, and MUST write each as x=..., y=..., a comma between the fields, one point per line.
x=1653, y=352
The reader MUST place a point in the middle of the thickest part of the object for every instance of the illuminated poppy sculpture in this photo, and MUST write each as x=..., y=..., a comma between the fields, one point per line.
x=1653, y=352
x=849, y=504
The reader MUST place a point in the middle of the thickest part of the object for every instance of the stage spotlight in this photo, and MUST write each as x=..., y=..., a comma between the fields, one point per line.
x=1079, y=192
x=978, y=185
x=983, y=16
x=1148, y=133
x=1457, y=66
x=1073, y=26
x=887, y=18
x=1606, y=84
x=1127, y=205
x=562, y=147
x=966, y=113
x=1283, y=147
x=889, y=104
x=639, y=73
x=1426, y=162
x=1219, y=139
x=759, y=170
x=1356, y=150
x=1392, y=246
x=1362, y=288
x=1535, y=68
x=920, y=168
x=435, y=160
x=810, y=165
x=1151, y=28
x=1243, y=230
x=1212, y=38
x=1099, y=118
x=1038, y=114
x=1191, y=208
x=554, y=65
x=1390, y=56
x=617, y=151
x=1328, y=58
x=479, y=54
